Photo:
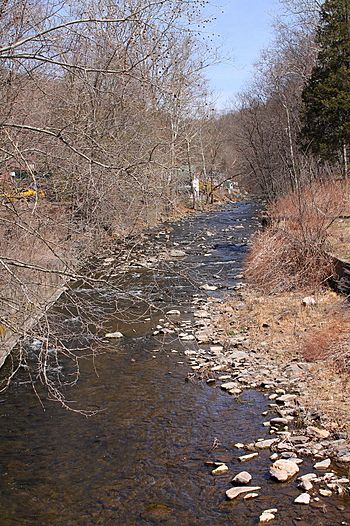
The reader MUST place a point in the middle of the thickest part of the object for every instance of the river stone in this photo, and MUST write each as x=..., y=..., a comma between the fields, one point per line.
x=325, y=492
x=173, y=312
x=279, y=421
x=283, y=470
x=306, y=485
x=201, y=314
x=304, y=498
x=116, y=334
x=267, y=515
x=324, y=464
x=221, y=470
x=233, y=493
x=251, y=496
x=246, y=458
x=266, y=444
x=229, y=385
x=242, y=478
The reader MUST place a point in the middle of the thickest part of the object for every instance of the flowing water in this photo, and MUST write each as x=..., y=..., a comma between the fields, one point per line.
x=141, y=459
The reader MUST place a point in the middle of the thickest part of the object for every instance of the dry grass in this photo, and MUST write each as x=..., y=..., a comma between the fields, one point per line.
x=292, y=253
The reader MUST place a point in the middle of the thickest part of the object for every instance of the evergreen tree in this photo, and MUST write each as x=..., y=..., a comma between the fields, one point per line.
x=326, y=96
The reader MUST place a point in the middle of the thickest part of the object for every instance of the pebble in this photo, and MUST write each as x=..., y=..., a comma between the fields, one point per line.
x=221, y=470
x=268, y=515
x=304, y=498
x=246, y=458
x=251, y=496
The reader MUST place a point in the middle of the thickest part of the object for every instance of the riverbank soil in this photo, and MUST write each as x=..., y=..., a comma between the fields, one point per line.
x=309, y=334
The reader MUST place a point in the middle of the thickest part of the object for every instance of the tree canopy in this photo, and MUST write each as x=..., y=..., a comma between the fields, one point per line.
x=326, y=96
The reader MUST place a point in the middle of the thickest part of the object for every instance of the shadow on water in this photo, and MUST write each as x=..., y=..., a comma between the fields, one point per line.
x=141, y=460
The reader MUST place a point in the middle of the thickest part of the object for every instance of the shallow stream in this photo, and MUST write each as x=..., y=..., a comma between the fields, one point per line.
x=141, y=459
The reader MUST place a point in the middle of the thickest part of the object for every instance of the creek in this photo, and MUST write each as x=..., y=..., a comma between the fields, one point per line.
x=141, y=459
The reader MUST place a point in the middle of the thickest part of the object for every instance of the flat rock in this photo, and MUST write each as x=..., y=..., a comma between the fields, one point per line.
x=246, y=458
x=268, y=515
x=251, y=496
x=220, y=470
x=304, y=498
x=266, y=444
x=173, y=312
x=324, y=464
x=283, y=470
x=209, y=287
x=233, y=493
x=116, y=334
x=242, y=478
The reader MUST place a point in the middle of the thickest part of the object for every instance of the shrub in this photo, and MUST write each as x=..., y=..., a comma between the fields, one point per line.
x=292, y=253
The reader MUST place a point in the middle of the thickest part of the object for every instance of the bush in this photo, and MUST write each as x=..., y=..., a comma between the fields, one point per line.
x=292, y=253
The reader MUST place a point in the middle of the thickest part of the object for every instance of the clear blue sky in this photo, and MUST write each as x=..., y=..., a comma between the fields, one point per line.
x=242, y=29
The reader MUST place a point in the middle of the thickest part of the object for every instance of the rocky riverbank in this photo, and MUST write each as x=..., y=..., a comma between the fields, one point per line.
x=298, y=430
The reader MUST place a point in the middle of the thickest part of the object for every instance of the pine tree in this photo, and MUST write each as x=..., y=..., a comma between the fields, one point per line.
x=326, y=96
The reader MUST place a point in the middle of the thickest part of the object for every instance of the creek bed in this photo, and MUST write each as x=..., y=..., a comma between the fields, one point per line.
x=141, y=459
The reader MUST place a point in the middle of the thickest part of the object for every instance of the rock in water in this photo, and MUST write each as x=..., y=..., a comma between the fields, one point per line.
x=233, y=493
x=304, y=498
x=242, y=478
x=221, y=470
x=283, y=470
x=324, y=464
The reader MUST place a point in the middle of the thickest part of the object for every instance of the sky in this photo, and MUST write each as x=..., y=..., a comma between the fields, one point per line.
x=242, y=29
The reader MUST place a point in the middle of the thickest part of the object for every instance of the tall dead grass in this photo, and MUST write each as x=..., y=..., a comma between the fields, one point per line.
x=292, y=253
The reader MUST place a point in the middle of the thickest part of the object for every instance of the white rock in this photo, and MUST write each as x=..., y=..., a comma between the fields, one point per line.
x=251, y=496
x=114, y=335
x=268, y=515
x=266, y=444
x=283, y=470
x=235, y=492
x=173, y=312
x=324, y=464
x=325, y=492
x=304, y=498
x=306, y=485
x=221, y=470
x=242, y=478
x=246, y=458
